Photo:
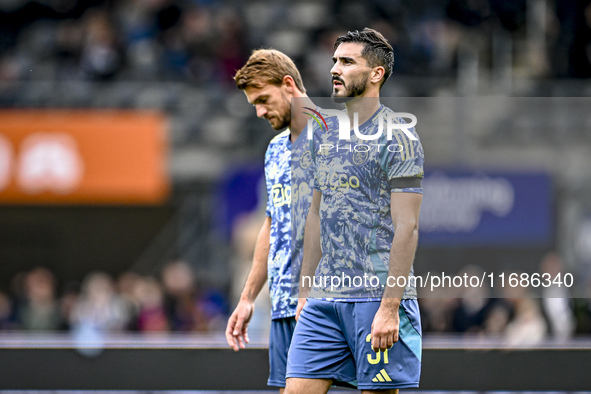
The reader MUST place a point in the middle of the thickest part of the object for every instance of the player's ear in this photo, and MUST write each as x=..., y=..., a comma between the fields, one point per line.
x=289, y=84
x=377, y=74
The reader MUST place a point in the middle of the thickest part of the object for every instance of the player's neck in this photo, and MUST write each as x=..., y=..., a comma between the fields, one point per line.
x=298, y=118
x=365, y=107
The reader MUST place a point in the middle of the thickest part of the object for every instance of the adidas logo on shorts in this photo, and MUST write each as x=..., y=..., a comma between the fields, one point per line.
x=382, y=376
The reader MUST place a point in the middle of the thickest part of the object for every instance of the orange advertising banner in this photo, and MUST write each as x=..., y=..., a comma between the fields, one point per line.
x=83, y=157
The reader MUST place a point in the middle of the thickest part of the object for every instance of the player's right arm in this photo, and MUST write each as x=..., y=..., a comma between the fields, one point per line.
x=312, y=249
x=236, y=330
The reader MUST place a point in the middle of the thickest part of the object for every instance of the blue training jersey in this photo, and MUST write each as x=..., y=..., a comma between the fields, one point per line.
x=356, y=178
x=278, y=181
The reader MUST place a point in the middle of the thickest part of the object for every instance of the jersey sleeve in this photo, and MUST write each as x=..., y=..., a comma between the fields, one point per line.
x=403, y=162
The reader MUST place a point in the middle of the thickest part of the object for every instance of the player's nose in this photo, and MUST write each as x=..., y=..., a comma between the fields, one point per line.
x=261, y=111
x=335, y=70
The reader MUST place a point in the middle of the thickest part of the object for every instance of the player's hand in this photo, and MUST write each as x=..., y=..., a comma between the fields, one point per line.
x=301, y=303
x=384, y=329
x=236, y=330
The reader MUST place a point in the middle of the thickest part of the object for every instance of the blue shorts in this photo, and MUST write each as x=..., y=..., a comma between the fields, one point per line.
x=279, y=341
x=332, y=340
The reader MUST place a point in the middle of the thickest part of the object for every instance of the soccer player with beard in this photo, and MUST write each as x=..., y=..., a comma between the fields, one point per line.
x=363, y=223
x=270, y=80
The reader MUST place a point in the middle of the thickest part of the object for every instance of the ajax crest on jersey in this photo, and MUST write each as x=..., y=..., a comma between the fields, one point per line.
x=306, y=159
x=359, y=158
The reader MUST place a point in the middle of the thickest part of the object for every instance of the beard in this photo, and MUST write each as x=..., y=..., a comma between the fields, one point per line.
x=355, y=89
x=282, y=119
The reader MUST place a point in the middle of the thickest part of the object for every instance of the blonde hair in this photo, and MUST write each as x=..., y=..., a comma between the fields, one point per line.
x=267, y=66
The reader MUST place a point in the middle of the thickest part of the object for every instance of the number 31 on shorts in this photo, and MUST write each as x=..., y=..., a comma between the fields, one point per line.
x=378, y=355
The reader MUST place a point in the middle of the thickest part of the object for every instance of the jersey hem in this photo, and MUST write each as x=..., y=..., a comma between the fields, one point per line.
x=355, y=299
x=287, y=316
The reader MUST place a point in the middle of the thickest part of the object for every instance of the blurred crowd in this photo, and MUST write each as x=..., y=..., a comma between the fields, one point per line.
x=517, y=314
x=176, y=301
x=131, y=40
x=205, y=41
x=179, y=301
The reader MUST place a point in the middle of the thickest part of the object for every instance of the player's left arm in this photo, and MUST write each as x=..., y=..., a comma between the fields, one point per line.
x=405, y=209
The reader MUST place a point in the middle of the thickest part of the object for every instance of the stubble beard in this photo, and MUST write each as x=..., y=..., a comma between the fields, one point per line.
x=356, y=88
x=285, y=118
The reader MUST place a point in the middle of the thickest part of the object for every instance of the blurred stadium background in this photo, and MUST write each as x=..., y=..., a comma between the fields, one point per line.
x=130, y=165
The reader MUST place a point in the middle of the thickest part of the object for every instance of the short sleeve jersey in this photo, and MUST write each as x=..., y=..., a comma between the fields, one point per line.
x=356, y=178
